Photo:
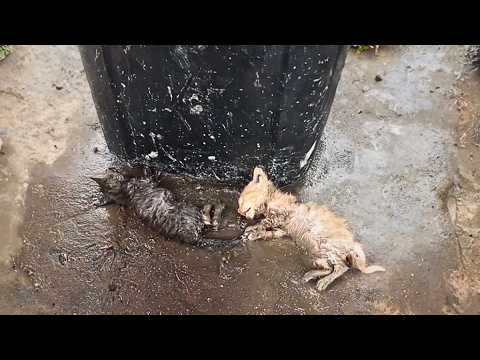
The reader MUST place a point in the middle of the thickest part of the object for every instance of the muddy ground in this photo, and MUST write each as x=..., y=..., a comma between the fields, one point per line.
x=399, y=160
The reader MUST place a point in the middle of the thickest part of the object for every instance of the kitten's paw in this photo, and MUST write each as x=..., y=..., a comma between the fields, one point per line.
x=206, y=217
x=322, y=284
x=217, y=215
x=251, y=234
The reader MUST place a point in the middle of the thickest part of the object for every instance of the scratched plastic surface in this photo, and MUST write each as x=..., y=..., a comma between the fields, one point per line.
x=215, y=111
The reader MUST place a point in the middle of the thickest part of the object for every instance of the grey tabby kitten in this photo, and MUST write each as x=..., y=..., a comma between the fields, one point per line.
x=157, y=206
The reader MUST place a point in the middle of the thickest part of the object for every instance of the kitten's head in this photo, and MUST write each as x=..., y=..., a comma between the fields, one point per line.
x=254, y=197
x=111, y=183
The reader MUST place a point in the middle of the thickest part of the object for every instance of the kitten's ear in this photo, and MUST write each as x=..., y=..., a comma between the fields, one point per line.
x=259, y=175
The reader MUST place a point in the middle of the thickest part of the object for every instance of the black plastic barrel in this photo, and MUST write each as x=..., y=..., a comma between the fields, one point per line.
x=215, y=111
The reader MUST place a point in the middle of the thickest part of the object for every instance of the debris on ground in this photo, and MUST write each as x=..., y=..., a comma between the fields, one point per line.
x=3, y=133
x=364, y=48
x=5, y=50
x=472, y=54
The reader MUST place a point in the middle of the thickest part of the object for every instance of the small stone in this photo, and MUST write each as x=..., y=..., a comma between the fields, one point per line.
x=62, y=258
x=112, y=287
x=95, y=150
x=378, y=78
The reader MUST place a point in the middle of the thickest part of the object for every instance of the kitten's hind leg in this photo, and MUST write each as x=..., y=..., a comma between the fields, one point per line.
x=338, y=270
x=323, y=268
x=206, y=217
x=217, y=215
x=315, y=274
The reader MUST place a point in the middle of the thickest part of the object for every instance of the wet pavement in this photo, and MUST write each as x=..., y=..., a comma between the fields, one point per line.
x=388, y=162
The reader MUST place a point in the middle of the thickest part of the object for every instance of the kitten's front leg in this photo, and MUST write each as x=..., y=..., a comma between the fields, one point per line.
x=206, y=217
x=217, y=215
x=262, y=232
x=253, y=232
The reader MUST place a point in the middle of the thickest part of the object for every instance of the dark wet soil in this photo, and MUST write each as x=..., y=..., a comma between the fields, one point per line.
x=82, y=259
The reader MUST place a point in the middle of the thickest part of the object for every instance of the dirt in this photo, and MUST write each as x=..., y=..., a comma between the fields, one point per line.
x=464, y=196
x=398, y=160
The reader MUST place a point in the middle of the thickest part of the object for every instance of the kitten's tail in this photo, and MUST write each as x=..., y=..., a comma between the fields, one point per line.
x=358, y=260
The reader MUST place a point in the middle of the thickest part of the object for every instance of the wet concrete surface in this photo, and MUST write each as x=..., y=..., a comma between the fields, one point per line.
x=388, y=162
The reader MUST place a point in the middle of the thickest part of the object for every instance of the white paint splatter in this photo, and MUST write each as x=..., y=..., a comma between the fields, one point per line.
x=196, y=110
x=307, y=156
x=212, y=137
x=257, y=80
x=152, y=155
x=211, y=158
x=170, y=92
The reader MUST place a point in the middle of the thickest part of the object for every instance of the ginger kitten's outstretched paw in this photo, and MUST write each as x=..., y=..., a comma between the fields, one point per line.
x=251, y=234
